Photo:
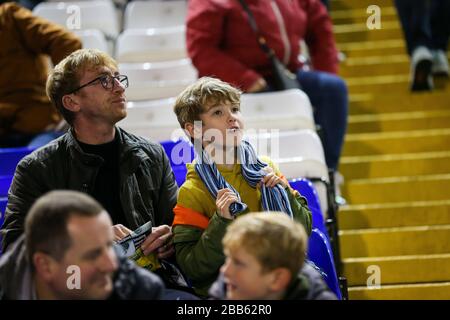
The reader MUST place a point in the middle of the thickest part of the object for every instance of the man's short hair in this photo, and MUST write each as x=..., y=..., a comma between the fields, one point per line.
x=46, y=222
x=274, y=239
x=205, y=92
x=65, y=77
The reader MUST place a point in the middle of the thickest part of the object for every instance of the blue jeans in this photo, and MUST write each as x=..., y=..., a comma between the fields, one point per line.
x=15, y=140
x=425, y=23
x=44, y=138
x=329, y=98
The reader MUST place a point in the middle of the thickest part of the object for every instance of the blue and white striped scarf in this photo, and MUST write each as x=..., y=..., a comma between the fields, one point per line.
x=274, y=199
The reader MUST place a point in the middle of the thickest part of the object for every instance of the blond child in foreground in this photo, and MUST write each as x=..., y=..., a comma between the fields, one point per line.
x=265, y=255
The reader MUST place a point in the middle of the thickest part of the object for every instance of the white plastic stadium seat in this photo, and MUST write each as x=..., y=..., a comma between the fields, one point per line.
x=154, y=120
x=81, y=15
x=155, y=14
x=93, y=39
x=284, y=110
x=149, y=45
x=298, y=153
x=158, y=79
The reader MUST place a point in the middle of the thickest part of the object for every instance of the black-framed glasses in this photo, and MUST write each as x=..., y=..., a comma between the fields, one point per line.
x=107, y=81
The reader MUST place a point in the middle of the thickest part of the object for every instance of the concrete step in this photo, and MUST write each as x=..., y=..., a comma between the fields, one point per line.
x=359, y=15
x=373, y=48
x=404, y=241
x=393, y=102
x=379, y=84
x=375, y=66
x=374, y=70
x=396, y=270
x=421, y=291
x=400, y=121
x=358, y=4
x=397, y=189
x=361, y=144
x=397, y=214
x=398, y=165
x=360, y=32
x=398, y=84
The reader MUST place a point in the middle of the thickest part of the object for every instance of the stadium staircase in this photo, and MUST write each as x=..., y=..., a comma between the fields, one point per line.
x=396, y=164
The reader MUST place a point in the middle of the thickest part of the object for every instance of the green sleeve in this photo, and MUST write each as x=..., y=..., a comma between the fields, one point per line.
x=300, y=210
x=199, y=252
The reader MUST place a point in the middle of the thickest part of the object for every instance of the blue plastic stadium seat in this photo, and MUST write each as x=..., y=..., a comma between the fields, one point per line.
x=179, y=152
x=307, y=190
x=5, y=182
x=319, y=252
x=3, y=202
x=10, y=157
x=180, y=174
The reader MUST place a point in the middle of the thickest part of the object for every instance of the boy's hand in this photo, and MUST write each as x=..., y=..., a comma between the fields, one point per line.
x=271, y=179
x=160, y=240
x=120, y=231
x=225, y=197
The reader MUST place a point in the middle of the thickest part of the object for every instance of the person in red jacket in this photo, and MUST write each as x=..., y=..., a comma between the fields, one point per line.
x=221, y=43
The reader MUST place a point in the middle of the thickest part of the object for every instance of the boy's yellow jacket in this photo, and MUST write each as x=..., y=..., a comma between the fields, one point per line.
x=198, y=229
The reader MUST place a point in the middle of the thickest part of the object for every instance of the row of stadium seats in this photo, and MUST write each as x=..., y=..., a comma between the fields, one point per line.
x=138, y=15
x=151, y=49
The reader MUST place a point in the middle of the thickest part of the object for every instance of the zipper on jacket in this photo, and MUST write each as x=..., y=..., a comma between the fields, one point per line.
x=283, y=32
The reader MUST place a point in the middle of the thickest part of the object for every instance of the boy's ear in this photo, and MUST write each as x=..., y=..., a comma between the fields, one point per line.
x=193, y=131
x=70, y=102
x=189, y=127
x=281, y=277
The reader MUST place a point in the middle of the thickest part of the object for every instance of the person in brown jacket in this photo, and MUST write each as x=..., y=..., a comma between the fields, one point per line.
x=27, y=42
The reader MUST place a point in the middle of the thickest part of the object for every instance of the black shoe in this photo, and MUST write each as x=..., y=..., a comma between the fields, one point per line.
x=421, y=63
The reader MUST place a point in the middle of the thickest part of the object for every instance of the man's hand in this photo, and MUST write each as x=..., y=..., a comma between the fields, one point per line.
x=159, y=241
x=120, y=231
x=225, y=197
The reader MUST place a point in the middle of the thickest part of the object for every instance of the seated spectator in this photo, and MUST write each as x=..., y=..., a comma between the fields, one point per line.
x=67, y=253
x=265, y=255
x=426, y=26
x=221, y=43
x=130, y=176
x=27, y=41
x=226, y=180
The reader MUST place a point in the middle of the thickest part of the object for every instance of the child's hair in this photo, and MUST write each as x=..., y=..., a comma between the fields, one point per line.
x=205, y=92
x=273, y=238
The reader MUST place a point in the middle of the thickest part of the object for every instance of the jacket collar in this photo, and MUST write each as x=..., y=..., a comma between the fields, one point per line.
x=298, y=289
x=16, y=279
x=130, y=151
x=77, y=153
x=126, y=146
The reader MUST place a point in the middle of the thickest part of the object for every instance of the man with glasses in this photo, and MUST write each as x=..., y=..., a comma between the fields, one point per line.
x=130, y=176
